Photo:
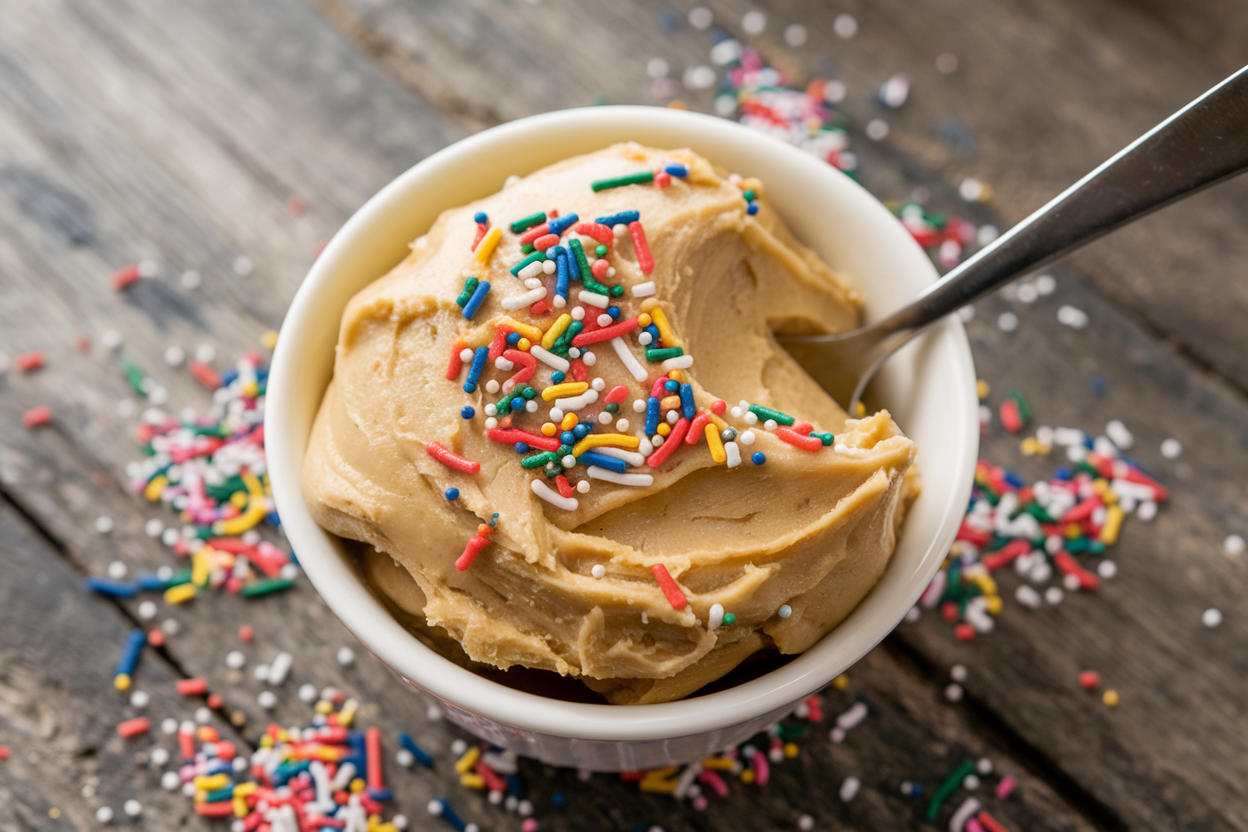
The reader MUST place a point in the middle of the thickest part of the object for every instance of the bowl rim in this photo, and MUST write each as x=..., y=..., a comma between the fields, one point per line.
x=343, y=590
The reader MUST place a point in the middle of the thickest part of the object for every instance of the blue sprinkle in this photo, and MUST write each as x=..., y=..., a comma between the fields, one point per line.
x=652, y=416
x=467, y=412
x=513, y=338
x=558, y=800
x=669, y=21
x=759, y=458
x=1063, y=474
x=517, y=403
x=619, y=466
x=687, y=408
x=482, y=219
x=452, y=494
x=422, y=756
x=752, y=208
x=561, y=224
x=1098, y=385
x=676, y=170
x=613, y=311
x=118, y=589
x=557, y=377
x=654, y=333
x=478, y=298
x=1014, y=479
x=474, y=370
x=562, y=274
x=624, y=217
x=671, y=386
x=581, y=430
x=522, y=448
x=379, y=794
x=567, y=437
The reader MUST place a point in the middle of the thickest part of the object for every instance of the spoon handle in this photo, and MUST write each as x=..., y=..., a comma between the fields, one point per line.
x=1200, y=145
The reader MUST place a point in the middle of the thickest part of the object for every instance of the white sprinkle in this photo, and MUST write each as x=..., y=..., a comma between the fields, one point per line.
x=680, y=362
x=604, y=319
x=1233, y=545
x=845, y=25
x=346, y=656
x=598, y=571
x=970, y=782
x=834, y=93
x=966, y=314
x=491, y=423
x=641, y=480
x=715, y=617
x=1107, y=569
x=657, y=68
x=544, y=491
x=895, y=90
x=700, y=77
x=700, y=17
x=629, y=361
x=1007, y=322
x=556, y=415
x=770, y=425
x=117, y=570
x=1147, y=511
x=1070, y=582
x=849, y=788
x=969, y=808
x=673, y=416
x=533, y=283
x=733, y=452
x=1046, y=284
x=1054, y=595
x=583, y=486
x=574, y=403
x=1072, y=317
x=747, y=437
x=645, y=339
x=1119, y=435
x=154, y=527
x=147, y=610
x=140, y=699
x=971, y=190
x=307, y=692
x=805, y=823
x=877, y=129
x=568, y=461
x=174, y=356
x=795, y=35
x=191, y=279
x=465, y=355
x=589, y=358
x=550, y=359
x=644, y=290
x=593, y=298
x=103, y=814
x=1171, y=448
x=404, y=758
x=111, y=339
x=958, y=673
x=527, y=299
x=503, y=365
x=1211, y=617
x=754, y=23
x=170, y=781
x=280, y=667
x=205, y=353
x=244, y=266
x=549, y=266
x=168, y=725
x=953, y=692
x=267, y=699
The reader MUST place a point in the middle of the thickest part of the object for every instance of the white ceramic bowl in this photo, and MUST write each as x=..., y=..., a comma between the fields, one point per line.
x=929, y=388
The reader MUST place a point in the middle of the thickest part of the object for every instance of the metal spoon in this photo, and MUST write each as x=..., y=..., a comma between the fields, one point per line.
x=1200, y=145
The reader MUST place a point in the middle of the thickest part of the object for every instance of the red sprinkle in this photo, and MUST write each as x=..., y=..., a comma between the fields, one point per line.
x=514, y=435
x=1089, y=680
x=1006, y=554
x=657, y=390
x=482, y=230
x=246, y=633
x=215, y=701
x=474, y=545
x=456, y=363
x=644, y=259
x=28, y=361
x=672, y=592
x=565, y=487
x=804, y=428
x=605, y=334
x=661, y=453
x=134, y=727
x=492, y=781
x=206, y=376
x=451, y=459
x=719, y=407
x=124, y=276
x=545, y=241
x=579, y=371
x=533, y=233
x=1066, y=564
x=220, y=809
x=82, y=343
x=1011, y=418
x=539, y=308
x=156, y=638
x=964, y=632
x=599, y=269
x=661, y=180
x=989, y=822
x=697, y=428
x=37, y=416
x=601, y=233
x=526, y=362
x=806, y=443
x=193, y=687
x=616, y=395
x=498, y=345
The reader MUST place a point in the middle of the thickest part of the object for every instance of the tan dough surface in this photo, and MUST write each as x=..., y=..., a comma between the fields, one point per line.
x=811, y=529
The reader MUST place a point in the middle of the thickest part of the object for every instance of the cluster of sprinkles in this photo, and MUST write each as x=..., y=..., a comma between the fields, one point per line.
x=586, y=434
x=210, y=469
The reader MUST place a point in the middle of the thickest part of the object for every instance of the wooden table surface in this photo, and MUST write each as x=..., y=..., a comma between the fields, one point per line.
x=177, y=132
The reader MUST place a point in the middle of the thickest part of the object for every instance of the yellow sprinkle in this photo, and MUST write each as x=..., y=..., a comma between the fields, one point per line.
x=266, y=741
x=54, y=813
x=1113, y=523
x=201, y=567
x=283, y=735
x=790, y=750
x=238, y=499
x=665, y=330
x=472, y=781
x=155, y=487
x=747, y=776
x=994, y=605
x=643, y=320
x=530, y=332
x=548, y=429
x=717, y=763
x=200, y=796
x=324, y=707
x=565, y=390
x=1029, y=446
x=181, y=592
x=357, y=785
x=595, y=440
x=269, y=339
x=523, y=345
x=240, y=807
x=716, y=421
x=861, y=410
x=664, y=429
x=982, y=388
x=569, y=421
x=669, y=403
x=841, y=682
x=237, y=525
x=122, y=681
x=675, y=375
x=556, y=329
x=716, y=444
x=348, y=712
x=465, y=763
x=211, y=783
x=486, y=247
x=1110, y=698
x=1073, y=530
x=244, y=789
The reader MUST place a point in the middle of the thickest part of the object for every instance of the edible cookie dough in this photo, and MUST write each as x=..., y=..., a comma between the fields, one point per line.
x=602, y=464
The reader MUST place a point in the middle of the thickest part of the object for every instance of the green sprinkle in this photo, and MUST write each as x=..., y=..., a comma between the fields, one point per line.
x=616, y=291
x=664, y=353
x=729, y=619
x=601, y=250
x=527, y=248
x=538, y=460
x=620, y=181
x=552, y=470
x=522, y=225
x=564, y=341
x=952, y=783
x=826, y=438
x=1024, y=411
x=766, y=413
x=791, y=732
x=133, y=374
x=528, y=393
x=470, y=286
x=582, y=262
x=612, y=407
x=749, y=195
x=532, y=258
x=266, y=587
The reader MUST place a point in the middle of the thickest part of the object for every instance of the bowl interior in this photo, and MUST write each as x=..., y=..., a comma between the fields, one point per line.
x=929, y=388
